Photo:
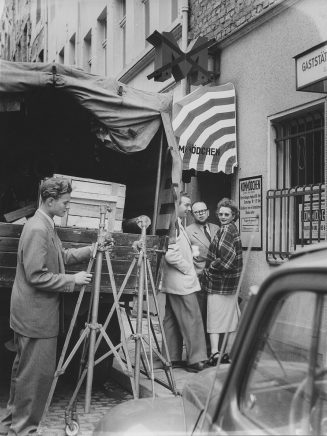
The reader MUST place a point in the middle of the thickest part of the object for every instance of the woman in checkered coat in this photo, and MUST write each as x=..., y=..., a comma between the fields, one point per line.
x=221, y=276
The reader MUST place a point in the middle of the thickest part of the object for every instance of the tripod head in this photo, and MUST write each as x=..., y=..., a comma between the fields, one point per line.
x=143, y=222
x=105, y=240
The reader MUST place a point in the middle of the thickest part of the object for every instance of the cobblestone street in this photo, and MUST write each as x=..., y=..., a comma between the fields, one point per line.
x=102, y=400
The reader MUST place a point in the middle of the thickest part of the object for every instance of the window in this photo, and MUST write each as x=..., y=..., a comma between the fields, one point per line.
x=296, y=209
x=87, y=52
x=102, y=41
x=72, y=50
x=61, y=59
x=285, y=391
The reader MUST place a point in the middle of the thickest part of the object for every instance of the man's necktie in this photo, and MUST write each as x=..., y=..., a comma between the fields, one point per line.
x=206, y=232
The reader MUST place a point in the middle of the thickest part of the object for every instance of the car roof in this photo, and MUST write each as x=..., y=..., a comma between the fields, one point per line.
x=311, y=258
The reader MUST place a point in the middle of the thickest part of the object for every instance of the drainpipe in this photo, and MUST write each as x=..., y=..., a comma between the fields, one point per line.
x=185, y=10
x=184, y=82
x=325, y=181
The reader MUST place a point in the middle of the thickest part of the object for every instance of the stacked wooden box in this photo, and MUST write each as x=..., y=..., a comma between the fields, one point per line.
x=121, y=257
x=86, y=198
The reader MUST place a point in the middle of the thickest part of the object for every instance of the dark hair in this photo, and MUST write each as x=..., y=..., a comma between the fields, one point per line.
x=227, y=202
x=183, y=194
x=54, y=187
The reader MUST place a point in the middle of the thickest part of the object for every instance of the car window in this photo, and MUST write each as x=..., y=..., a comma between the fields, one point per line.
x=286, y=391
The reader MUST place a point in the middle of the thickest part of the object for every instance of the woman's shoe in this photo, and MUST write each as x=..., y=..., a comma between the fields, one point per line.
x=225, y=358
x=213, y=359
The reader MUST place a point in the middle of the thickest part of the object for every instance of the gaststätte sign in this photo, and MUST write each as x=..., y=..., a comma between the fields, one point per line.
x=311, y=69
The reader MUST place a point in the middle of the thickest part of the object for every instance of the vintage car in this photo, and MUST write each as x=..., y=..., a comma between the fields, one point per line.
x=277, y=381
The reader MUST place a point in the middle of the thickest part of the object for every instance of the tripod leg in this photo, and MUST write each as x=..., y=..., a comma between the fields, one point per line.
x=148, y=320
x=67, y=340
x=120, y=321
x=139, y=327
x=172, y=380
x=94, y=327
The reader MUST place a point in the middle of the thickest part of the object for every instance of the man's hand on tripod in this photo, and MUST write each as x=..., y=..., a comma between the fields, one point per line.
x=82, y=278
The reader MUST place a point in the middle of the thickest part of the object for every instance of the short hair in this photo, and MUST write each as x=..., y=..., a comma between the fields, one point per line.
x=198, y=201
x=227, y=202
x=54, y=187
x=183, y=194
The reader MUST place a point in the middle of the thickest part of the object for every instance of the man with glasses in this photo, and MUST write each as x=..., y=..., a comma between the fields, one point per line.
x=201, y=233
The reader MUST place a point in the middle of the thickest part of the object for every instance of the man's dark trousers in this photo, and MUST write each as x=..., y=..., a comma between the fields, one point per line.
x=31, y=379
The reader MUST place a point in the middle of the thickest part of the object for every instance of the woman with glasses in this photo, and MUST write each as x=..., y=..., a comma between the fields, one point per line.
x=221, y=276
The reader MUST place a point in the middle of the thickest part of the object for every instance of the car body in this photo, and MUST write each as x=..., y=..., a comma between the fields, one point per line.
x=277, y=381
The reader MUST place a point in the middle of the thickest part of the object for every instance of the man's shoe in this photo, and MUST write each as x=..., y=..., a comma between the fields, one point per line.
x=178, y=363
x=196, y=367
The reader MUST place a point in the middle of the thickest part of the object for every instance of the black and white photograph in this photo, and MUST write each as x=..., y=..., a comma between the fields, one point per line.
x=163, y=211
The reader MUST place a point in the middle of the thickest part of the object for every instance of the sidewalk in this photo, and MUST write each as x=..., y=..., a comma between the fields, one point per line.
x=180, y=375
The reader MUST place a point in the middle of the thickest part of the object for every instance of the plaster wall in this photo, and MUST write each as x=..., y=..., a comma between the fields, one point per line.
x=262, y=68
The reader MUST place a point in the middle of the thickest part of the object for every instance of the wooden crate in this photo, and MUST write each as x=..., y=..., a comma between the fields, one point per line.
x=86, y=198
x=121, y=257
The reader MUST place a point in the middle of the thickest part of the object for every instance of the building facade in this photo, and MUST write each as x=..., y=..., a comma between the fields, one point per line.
x=281, y=131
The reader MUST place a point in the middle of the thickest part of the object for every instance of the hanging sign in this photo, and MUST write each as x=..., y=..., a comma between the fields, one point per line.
x=170, y=60
x=311, y=69
x=250, y=203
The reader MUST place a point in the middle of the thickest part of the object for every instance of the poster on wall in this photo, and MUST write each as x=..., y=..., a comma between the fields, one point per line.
x=311, y=219
x=250, y=204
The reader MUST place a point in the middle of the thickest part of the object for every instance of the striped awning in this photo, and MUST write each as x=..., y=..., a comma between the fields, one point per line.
x=205, y=123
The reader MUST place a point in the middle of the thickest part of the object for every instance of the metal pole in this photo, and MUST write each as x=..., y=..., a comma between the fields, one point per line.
x=325, y=175
x=139, y=322
x=94, y=318
x=156, y=197
x=185, y=10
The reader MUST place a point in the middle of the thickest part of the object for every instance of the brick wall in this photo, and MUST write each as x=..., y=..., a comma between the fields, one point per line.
x=220, y=18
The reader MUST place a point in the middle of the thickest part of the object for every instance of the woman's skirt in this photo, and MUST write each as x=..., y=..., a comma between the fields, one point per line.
x=219, y=311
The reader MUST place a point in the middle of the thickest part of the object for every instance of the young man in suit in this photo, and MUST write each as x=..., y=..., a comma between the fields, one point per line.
x=201, y=233
x=183, y=321
x=34, y=312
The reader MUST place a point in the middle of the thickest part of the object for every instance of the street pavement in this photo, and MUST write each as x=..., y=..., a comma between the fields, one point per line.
x=103, y=399
x=116, y=390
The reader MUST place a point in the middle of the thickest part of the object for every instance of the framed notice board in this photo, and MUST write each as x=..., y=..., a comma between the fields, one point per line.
x=250, y=204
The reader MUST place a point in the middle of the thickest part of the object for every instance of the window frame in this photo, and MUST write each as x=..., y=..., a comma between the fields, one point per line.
x=280, y=246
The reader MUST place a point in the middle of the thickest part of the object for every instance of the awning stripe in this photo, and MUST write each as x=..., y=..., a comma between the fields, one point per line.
x=209, y=96
x=209, y=116
x=211, y=133
x=202, y=109
x=205, y=123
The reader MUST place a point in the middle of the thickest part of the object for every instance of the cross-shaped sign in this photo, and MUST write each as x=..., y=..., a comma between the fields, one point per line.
x=171, y=60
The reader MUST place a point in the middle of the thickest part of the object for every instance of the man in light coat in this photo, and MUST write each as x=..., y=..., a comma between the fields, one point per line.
x=201, y=233
x=34, y=312
x=183, y=320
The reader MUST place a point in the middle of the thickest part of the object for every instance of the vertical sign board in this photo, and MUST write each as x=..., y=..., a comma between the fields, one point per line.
x=250, y=202
x=312, y=219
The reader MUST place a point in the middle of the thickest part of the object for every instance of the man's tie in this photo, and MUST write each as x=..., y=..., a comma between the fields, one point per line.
x=206, y=232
